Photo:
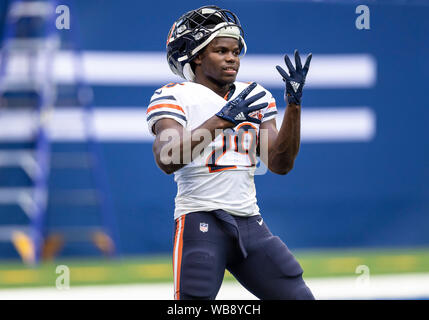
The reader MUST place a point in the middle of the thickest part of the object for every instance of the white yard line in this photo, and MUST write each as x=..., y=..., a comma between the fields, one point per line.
x=404, y=286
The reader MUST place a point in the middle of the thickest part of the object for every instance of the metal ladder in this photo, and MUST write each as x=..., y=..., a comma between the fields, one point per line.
x=28, y=89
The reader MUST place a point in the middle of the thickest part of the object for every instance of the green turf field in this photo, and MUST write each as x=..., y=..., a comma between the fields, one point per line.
x=147, y=269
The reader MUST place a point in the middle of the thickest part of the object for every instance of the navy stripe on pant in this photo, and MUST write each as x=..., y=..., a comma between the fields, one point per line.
x=211, y=242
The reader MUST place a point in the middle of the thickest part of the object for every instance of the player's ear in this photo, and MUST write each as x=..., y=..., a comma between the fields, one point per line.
x=198, y=59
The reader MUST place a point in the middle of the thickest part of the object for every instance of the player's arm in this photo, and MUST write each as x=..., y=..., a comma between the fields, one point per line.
x=283, y=144
x=174, y=146
x=177, y=140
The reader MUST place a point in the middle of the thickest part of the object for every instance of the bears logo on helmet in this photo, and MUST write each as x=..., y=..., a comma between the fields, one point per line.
x=194, y=30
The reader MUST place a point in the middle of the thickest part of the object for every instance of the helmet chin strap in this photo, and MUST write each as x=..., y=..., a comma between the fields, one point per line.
x=188, y=73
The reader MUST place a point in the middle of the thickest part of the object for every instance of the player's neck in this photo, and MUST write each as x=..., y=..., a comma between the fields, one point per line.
x=219, y=89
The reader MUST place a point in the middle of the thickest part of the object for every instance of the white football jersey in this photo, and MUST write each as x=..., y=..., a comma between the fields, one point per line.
x=222, y=176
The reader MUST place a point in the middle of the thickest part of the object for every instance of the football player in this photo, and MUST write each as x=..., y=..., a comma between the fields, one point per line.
x=208, y=132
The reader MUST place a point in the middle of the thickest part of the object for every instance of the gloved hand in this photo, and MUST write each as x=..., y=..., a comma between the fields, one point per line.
x=237, y=110
x=296, y=78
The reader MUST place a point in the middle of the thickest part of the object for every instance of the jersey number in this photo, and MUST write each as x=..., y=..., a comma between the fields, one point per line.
x=243, y=141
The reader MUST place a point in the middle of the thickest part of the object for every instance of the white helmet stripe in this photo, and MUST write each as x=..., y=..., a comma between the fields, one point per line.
x=213, y=35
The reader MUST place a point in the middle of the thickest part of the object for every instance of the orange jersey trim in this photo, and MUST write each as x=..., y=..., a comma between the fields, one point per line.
x=177, y=255
x=165, y=105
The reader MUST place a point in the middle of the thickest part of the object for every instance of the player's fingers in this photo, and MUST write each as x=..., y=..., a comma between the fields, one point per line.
x=247, y=90
x=283, y=73
x=298, y=64
x=307, y=64
x=258, y=107
x=255, y=97
x=289, y=65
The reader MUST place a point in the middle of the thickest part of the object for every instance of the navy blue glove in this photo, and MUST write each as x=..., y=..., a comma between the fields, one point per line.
x=237, y=110
x=296, y=78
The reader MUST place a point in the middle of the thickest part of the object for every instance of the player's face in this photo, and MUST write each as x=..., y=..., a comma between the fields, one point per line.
x=220, y=60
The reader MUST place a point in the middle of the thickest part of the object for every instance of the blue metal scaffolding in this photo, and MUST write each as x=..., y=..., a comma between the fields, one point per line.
x=28, y=85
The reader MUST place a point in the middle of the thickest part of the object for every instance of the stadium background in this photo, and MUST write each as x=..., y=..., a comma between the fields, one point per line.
x=360, y=180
